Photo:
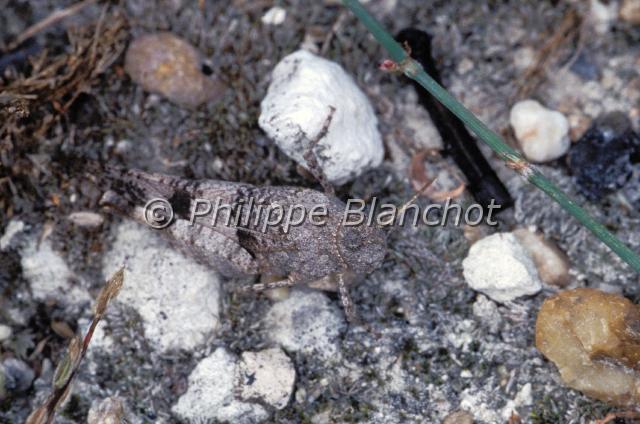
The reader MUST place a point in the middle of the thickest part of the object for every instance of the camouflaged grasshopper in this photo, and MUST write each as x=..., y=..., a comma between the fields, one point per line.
x=238, y=241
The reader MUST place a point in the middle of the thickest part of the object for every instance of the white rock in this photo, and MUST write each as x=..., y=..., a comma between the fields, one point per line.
x=541, y=132
x=13, y=227
x=177, y=298
x=106, y=411
x=552, y=263
x=86, y=219
x=487, y=310
x=49, y=275
x=211, y=394
x=306, y=322
x=267, y=375
x=524, y=397
x=601, y=15
x=500, y=267
x=274, y=16
x=303, y=90
x=5, y=332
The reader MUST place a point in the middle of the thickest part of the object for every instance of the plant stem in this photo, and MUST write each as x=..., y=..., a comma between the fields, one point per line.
x=510, y=156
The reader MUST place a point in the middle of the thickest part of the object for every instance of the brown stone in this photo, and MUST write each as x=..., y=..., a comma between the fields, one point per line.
x=165, y=64
x=593, y=337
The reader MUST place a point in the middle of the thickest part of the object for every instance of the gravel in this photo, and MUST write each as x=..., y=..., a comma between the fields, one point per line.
x=430, y=345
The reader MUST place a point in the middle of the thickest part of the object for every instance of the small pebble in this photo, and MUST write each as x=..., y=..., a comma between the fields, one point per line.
x=459, y=417
x=552, y=263
x=630, y=11
x=274, y=16
x=592, y=338
x=585, y=68
x=304, y=90
x=487, y=311
x=602, y=14
x=13, y=228
x=267, y=375
x=86, y=219
x=601, y=160
x=5, y=332
x=500, y=267
x=541, y=132
x=17, y=375
x=165, y=64
x=106, y=411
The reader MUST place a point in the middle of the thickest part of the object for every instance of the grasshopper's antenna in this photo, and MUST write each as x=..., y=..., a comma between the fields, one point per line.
x=408, y=203
x=424, y=188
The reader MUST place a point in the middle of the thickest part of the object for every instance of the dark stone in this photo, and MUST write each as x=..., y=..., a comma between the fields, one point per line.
x=584, y=67
x=601, y=160
x=18, y=376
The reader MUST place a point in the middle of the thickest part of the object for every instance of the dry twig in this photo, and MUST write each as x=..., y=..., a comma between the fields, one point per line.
x=68, y=367
x=52, y=19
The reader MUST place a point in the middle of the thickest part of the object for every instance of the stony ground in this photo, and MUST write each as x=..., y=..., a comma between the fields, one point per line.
x=172, y=343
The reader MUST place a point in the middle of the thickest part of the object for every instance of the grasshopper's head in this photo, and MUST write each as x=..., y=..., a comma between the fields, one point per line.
x=362, y=247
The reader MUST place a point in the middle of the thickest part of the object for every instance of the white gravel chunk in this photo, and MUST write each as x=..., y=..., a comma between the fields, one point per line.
x=211, y=394
x=306, y=322
x=267, y=375
x=487, y=310
x=177, y=298
x=13, y=228
x=303, y=91
x=86, y=219
x=274, y=16
x=49, y=275
x=5, y=332
x=543, y=134
x=500, y=267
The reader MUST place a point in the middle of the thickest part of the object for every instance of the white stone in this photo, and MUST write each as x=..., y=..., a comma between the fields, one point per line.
x=303, y=89
x=487, y=311
x=177, y=298
x=552, y=263
x=86, y=219
x=500, y=267
x=267, y=375
x=274, y=16
x=524, y=396
x=13, y=227
x=541, y=132
x=306, y=322
x=106, y=411
x=211, y=394
x=5, y=332
x=49, y=275
x=601, y=15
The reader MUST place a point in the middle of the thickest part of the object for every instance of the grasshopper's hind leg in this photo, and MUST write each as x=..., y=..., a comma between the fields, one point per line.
x=345, y=298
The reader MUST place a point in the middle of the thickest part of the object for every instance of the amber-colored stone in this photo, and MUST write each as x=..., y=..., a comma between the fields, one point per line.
x=593, y=337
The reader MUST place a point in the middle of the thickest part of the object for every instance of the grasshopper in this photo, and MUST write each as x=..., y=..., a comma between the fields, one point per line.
x=238, y=242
